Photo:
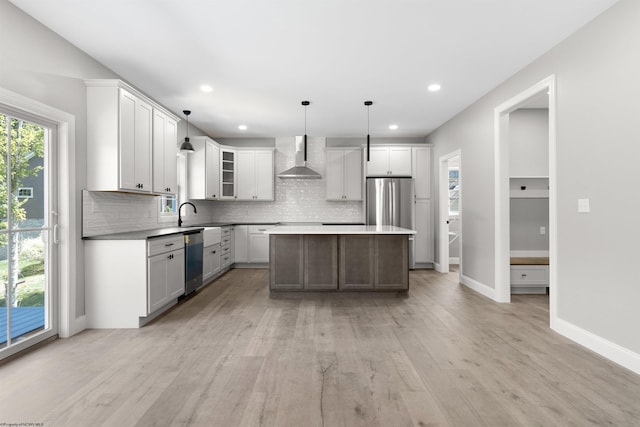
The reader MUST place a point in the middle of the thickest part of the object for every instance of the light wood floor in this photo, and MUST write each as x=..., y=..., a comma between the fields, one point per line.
x=232, y=356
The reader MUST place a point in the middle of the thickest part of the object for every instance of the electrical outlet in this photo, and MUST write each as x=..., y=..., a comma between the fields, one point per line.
x=543, y=230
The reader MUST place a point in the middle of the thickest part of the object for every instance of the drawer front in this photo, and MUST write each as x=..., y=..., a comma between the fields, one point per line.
x=225, y=260
x=226, y=240
x=258, y=229
x=225, y=249
x=530, y=275
x=165, y=244
x=226, y=231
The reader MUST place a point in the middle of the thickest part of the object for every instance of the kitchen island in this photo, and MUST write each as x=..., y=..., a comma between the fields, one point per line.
x=339, y=258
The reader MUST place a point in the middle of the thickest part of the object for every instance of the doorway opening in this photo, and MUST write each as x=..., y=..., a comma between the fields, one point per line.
x=450, y=206
x=506, y=183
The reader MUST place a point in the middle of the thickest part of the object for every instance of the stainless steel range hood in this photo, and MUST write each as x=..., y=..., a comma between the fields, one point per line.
x=300, y=170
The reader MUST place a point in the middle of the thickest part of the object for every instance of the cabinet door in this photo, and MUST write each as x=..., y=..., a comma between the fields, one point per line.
x=424, y=244
x=212, y=170
x=211, y=262
x=391, y=262
x=241, y=240
x=143, y=132
x=164, y=153
x=175, y=274
x=264, y=175
x=246, y=178
x=258, y=247
x=378, y=164
x=157, y=282
x=335, y=174
x=353, y=175
x=356, y=269
x=171, y=156
x=422, y=172
x=227, y=174
x=127, y=148
x=400, y=161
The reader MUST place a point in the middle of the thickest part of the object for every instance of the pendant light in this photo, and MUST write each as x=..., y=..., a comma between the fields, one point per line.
x=305, y=104
x=368, y=104
x=186, y=145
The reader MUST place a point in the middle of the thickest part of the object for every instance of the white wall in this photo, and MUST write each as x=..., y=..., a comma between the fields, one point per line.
x=40, y=65
x=529, y=142
x=598, y=93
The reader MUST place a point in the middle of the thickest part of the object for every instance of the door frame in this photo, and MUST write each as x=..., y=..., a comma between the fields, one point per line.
x=443, y=207
x=71, y=317
x=502, y=215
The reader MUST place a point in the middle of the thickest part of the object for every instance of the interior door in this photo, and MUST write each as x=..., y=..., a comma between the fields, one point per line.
x=28, y=222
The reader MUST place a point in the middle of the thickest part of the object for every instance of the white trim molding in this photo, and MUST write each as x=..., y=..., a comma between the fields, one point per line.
x=502, y=217
x=68, y=322
x=605, y=348
x=478, y=287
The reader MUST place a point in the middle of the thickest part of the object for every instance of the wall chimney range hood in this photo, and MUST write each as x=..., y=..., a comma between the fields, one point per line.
x=300, y=169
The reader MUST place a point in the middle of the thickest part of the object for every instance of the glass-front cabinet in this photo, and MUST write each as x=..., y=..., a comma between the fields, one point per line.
x=228, y=171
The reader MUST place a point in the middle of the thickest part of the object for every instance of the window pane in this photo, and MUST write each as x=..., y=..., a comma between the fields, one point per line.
x=168, y=205
x=28, y=268
x=27, y=174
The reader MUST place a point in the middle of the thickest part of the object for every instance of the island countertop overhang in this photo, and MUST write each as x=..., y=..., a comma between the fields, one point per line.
x=339, y=229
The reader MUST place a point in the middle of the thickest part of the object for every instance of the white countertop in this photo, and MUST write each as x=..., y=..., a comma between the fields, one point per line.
x=338, y=229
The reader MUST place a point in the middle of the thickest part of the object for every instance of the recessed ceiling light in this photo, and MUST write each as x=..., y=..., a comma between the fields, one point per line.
x=206, y=88
x=434, y=87
x=393, y=127
x=242, y=127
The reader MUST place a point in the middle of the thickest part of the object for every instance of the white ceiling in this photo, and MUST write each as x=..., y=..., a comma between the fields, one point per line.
x=263, y=57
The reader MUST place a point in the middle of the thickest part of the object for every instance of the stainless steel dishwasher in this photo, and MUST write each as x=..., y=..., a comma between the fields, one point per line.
x=193, y=250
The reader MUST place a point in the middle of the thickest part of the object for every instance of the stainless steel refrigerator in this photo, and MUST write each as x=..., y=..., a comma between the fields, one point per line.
x=390, y=202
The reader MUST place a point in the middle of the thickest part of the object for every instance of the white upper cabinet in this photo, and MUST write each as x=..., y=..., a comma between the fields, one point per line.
x=120, y=135
x=422, y=172
x=228, y=174
x=389, y=161
x=165, y=150
x=255, y=174
x=344, y=174
x=204, y=170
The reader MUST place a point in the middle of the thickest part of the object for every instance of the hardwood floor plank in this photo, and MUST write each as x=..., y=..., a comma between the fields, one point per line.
x=441, y=355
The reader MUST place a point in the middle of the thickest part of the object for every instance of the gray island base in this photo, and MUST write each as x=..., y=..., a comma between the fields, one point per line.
x=339, y=258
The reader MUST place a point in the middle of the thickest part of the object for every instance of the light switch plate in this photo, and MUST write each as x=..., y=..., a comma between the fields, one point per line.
x=543, y=230
x=583, y=206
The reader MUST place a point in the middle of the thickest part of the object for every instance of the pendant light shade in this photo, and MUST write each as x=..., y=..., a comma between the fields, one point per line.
x=300, y=170
x=368, y=104
x=186, y=146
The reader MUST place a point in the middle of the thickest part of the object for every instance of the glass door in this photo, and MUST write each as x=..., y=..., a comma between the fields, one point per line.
x=27, y=231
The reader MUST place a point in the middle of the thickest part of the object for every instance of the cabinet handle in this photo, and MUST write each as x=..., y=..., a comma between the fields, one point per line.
x=170, y=256
x=213, y=252
x=168, y=244
x=523, y=275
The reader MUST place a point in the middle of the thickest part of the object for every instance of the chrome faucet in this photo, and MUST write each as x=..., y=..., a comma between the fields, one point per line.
x=180, y=215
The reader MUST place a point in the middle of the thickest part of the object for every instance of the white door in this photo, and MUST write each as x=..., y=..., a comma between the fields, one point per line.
x=28, y=226
x=171, y=156
x=143, y=132
x=175, y=274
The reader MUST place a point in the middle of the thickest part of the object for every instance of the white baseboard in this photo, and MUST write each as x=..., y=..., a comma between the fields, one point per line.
x=437, y=267
x=454, y=260
x=478, y=287
x=526, y=254
x=614, y=352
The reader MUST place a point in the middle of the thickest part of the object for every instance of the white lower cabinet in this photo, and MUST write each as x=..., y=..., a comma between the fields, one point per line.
x=166, y=279
x=423, y=240
x=210, y=262
x=251, y=244
x=149, y=278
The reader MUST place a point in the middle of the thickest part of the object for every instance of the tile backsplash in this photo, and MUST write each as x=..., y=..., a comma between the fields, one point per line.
x=296, y=200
